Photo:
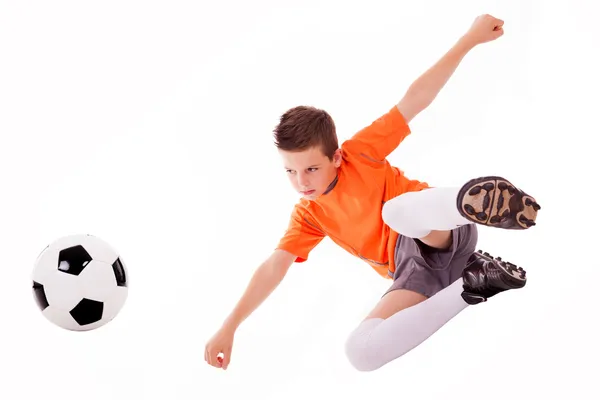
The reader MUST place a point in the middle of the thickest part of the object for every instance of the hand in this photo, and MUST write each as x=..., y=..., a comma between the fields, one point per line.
x=484, y=29
x=220, y=343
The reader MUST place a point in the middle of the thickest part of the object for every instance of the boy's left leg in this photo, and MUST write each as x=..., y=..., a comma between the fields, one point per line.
x=490, y=201
x=431, y=286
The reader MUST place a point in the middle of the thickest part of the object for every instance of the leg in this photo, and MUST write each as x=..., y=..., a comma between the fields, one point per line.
x=394, y=301
x=430, y=288
x=421, y=300
x=489, y=201
x=438, y=239
x=401, y=321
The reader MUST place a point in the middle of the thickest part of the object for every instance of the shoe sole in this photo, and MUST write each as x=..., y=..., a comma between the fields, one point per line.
x=516, y=276
x=494, y=201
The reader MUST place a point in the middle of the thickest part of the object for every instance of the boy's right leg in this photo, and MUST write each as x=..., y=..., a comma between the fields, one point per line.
x=490, y=201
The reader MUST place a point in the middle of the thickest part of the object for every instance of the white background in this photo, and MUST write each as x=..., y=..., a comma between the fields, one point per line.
x=149, y=125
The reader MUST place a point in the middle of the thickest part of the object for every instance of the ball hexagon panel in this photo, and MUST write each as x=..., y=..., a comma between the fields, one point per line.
x=98, y=249
x=114, y=303
x=63, y=319
x=97, y=280
x=63, y=290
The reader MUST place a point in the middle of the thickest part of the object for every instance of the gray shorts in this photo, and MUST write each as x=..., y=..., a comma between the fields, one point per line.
x=427, y=270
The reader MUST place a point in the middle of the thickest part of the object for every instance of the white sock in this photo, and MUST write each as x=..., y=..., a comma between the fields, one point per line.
x=376, y=341
x=415, y=214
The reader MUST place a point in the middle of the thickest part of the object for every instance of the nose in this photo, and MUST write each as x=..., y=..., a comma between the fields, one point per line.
x=303, y=180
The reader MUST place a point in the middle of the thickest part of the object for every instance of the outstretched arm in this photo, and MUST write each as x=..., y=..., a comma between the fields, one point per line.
x=425, y=89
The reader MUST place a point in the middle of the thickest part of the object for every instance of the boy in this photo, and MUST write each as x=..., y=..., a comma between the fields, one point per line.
x=420, y=237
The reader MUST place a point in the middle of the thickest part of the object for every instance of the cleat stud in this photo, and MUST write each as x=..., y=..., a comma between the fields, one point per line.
x=481, y=216
x=502, y=186
x=488, y=186
x=475, y=190
x=500, y=202
x=469, y=209
x=486, y=202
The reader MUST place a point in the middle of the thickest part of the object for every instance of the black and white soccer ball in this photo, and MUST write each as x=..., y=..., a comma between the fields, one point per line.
x=80, y=282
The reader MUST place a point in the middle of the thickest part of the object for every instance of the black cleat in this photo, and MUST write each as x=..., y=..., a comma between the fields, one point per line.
x=494, y=201
x=486, y=276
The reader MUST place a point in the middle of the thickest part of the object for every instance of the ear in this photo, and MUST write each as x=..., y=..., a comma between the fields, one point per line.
x=337, y=158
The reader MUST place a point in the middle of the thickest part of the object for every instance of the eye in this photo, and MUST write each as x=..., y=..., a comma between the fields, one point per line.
x=289, y=171
x=313, y=169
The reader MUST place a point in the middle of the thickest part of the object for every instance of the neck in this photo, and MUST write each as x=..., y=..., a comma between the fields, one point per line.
x=332, y=184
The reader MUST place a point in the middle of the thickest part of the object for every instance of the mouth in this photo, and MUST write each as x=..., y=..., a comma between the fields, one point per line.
x=307, y=193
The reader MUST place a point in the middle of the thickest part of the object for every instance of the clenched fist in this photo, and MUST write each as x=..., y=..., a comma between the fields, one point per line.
x=484, y=29
x=220, y=343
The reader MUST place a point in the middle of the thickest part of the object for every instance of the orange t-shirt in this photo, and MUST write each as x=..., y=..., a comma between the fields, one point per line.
x=350, y=212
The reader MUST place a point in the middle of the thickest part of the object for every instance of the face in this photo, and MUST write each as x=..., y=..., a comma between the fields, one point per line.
x=310, y=171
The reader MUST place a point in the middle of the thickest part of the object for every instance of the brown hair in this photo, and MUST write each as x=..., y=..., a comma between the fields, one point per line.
x=304, y=127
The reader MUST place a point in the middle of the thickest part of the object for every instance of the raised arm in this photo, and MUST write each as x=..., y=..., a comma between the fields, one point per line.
x=425, y=89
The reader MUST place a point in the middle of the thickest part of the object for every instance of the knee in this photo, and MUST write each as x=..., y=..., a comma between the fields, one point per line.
x=395, y=212
x=360, y=350
x=399, y=216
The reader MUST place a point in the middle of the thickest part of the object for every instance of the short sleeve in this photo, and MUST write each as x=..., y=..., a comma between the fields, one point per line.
x=382, y=137
x=302, y=235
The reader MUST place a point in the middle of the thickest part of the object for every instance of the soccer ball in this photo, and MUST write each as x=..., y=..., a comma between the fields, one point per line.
x=79, y=282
